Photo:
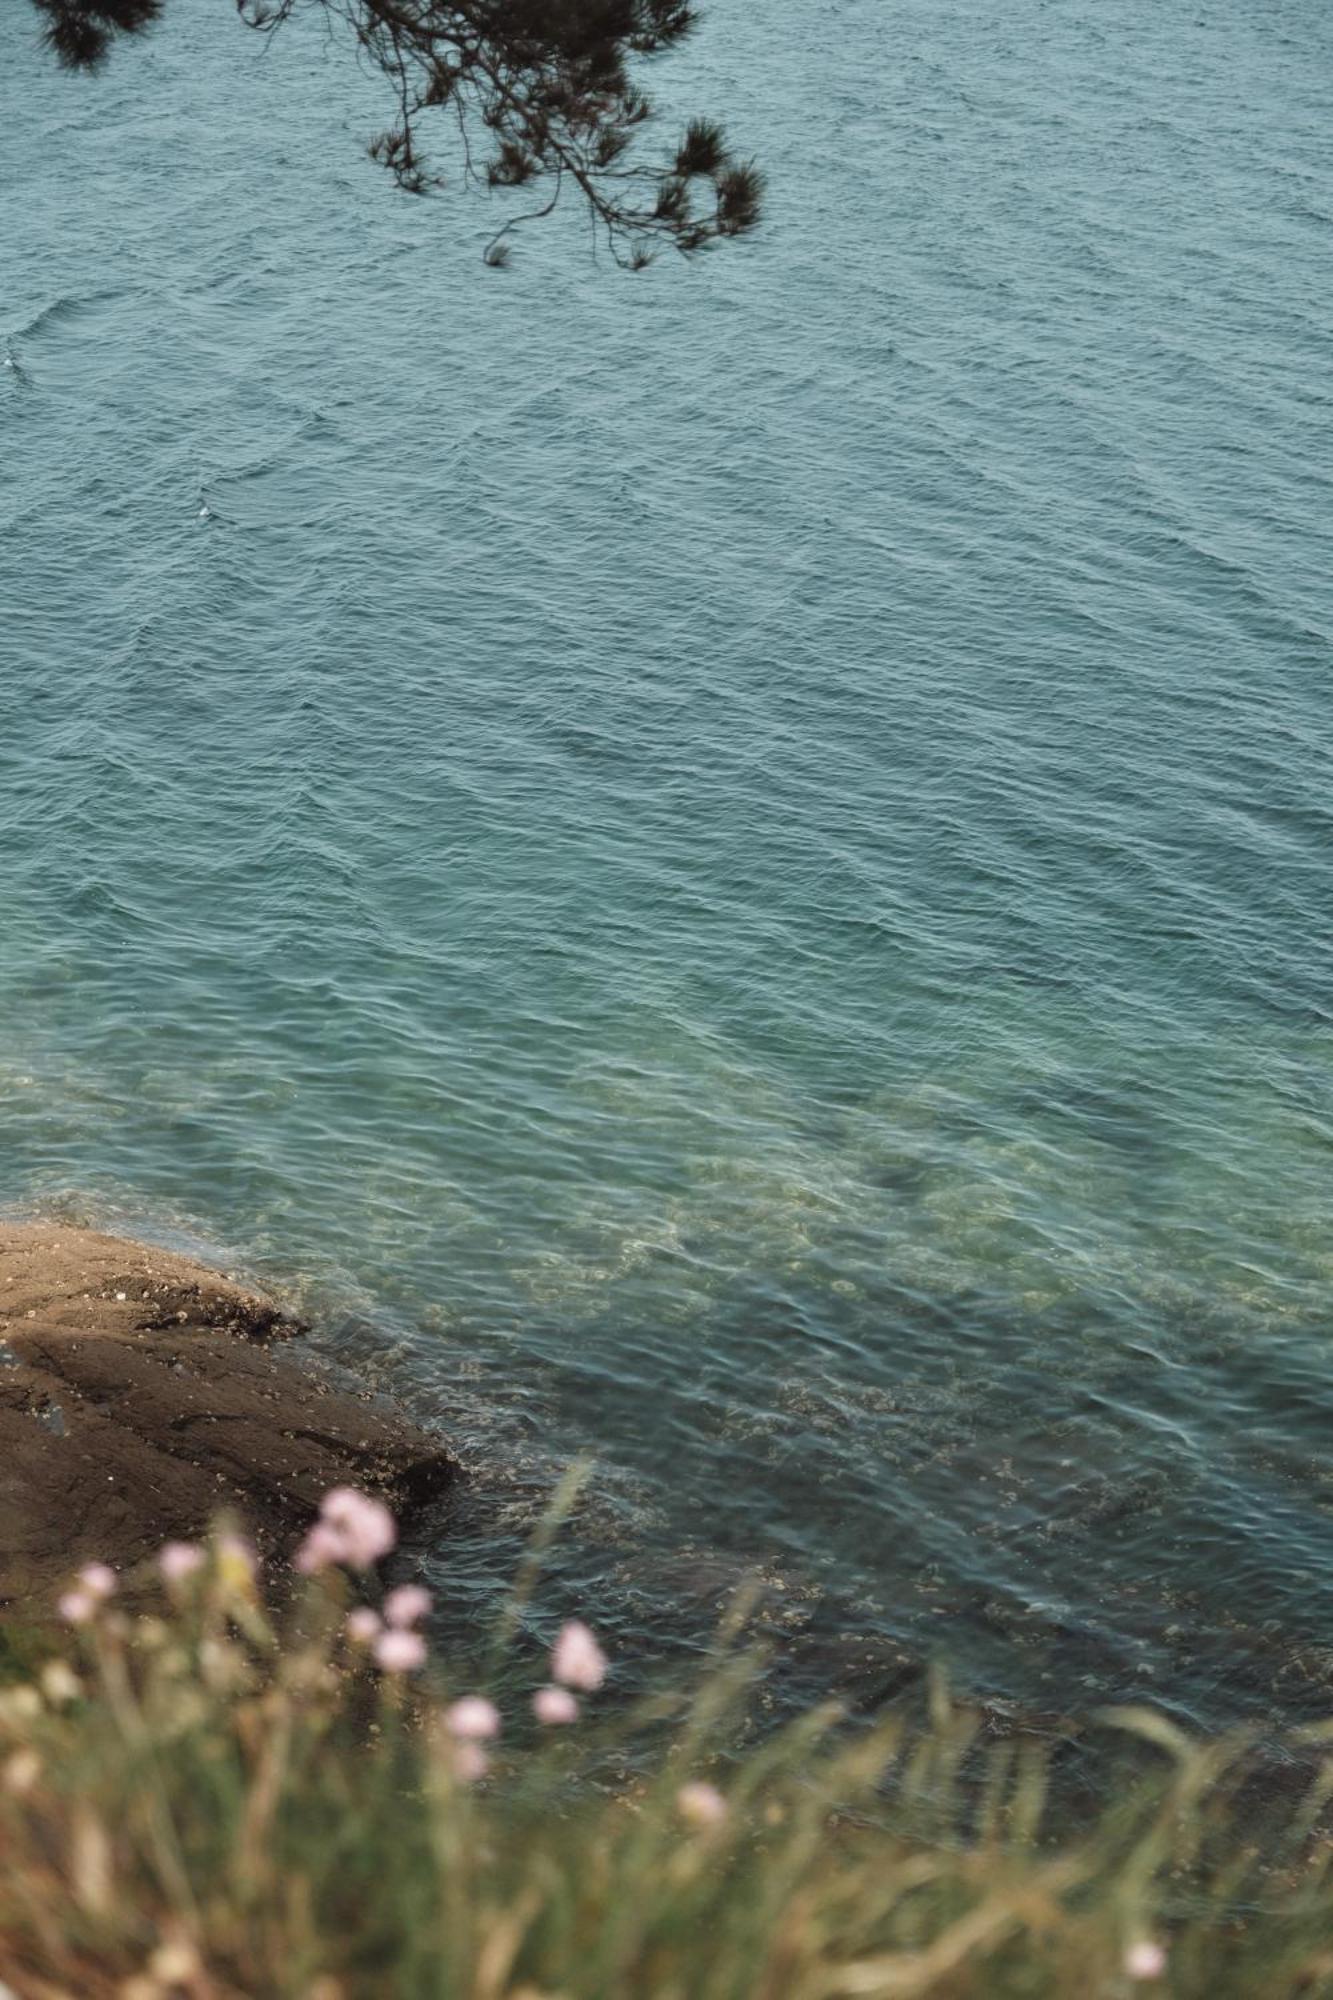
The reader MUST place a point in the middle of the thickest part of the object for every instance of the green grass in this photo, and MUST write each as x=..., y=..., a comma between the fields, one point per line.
x=23, y=1650
x=194, y=1803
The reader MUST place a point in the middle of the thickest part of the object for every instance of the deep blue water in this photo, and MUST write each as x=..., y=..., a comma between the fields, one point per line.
x=734, y=866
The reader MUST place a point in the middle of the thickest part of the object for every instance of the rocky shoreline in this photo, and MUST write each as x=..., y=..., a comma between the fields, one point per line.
x=141, y=1393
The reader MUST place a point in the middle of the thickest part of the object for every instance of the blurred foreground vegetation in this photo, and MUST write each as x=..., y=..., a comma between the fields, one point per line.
x=194, y=1802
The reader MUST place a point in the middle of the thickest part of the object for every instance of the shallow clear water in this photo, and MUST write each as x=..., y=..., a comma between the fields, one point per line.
x=733, y=867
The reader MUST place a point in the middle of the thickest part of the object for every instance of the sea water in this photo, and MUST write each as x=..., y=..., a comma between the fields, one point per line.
x=730, y=868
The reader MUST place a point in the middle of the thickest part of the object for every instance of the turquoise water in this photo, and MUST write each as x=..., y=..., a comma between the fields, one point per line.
x=733, y=867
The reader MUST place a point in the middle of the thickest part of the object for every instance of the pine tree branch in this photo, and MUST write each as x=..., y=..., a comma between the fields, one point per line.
x=547, y=81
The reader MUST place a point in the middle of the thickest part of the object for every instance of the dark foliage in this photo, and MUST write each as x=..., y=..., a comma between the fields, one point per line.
x=540, y=93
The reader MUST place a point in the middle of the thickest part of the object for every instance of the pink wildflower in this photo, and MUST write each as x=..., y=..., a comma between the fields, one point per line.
x=322, y=1547
x=99, y=1580
x=577, y=1659
x=177, y=1560
x=470, y=1762
x=473, y=1716
x=400, y=1652
x=363, y=1625
x=701, y=1804
x=367, y=1528
x=555, y=1704
x=1145, y=1960
x=76, y=1607
x=406, y=1605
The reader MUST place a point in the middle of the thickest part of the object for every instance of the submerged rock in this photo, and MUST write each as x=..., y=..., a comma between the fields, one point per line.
x=140, y=1393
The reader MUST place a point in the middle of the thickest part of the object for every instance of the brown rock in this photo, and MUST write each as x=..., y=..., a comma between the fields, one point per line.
x=139, y=1395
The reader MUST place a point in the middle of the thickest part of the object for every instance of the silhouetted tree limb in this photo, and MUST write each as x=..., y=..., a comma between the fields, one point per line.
x=541, y=93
